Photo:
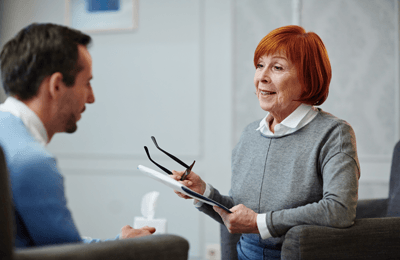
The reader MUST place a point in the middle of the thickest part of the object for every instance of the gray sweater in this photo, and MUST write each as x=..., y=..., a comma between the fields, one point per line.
x=309, y=177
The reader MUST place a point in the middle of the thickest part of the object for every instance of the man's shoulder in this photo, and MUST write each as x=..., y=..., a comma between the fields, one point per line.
x=32, y=166
x=5, y=115
x=12, y=126
x=20, y=148
x=13, y=132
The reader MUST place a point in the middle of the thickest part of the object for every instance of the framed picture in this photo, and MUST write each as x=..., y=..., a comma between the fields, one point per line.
x=102, y=15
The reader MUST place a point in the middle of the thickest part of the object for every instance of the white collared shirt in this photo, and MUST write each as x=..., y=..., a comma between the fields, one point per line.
x=296, y=120
x=31, y=121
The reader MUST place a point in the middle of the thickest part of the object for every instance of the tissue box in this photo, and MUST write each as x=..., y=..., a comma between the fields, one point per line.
x=160, y=224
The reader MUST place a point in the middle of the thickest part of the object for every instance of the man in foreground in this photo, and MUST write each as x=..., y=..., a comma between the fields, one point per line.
x=46, y=69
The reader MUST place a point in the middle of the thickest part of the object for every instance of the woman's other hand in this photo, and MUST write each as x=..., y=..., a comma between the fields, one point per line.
x=192, y=181
x=241, y=220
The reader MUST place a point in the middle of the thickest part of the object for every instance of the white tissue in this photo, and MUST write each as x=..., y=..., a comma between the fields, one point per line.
x=149, y=202
x=148, y=209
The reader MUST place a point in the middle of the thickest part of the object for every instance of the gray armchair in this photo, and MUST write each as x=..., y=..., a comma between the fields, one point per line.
x=374, y=235
x=144, y=248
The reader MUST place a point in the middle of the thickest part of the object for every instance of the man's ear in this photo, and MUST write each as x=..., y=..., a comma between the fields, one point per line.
x=56, y=85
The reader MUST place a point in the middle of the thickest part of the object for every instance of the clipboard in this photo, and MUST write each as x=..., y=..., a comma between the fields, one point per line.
x=168, y=181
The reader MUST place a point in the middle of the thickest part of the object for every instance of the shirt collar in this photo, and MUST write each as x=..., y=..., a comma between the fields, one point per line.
x=31, y=121
x=290, y=124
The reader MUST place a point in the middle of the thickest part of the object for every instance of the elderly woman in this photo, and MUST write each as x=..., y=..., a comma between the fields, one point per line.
x=298, y=165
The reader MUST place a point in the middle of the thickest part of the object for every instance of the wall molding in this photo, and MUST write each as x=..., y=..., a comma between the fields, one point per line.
x=297, y=12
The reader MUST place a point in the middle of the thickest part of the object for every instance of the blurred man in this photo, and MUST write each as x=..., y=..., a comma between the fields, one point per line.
x=46, y=69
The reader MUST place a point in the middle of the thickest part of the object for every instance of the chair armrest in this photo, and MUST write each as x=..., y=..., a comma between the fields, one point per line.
x=370, y=238
x=146, y=248
x=373, y=208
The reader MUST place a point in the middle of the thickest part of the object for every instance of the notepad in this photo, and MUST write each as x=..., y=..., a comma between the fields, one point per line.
x=168, y=181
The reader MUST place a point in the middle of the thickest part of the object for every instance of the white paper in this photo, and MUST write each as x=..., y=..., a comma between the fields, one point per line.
x=165, y=179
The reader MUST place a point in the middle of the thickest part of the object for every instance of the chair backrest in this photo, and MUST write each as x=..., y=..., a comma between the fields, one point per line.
x=394, y=187
x=6, y=215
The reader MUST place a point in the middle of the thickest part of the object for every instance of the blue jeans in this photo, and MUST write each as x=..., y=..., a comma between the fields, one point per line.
x=251, y=247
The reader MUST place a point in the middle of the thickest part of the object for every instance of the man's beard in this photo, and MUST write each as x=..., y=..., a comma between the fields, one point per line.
x=71, y=126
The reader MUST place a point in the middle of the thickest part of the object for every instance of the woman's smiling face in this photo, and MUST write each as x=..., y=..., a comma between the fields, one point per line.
x=277, y=85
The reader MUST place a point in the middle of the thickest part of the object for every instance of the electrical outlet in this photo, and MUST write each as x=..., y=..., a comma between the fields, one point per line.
x=213, y=252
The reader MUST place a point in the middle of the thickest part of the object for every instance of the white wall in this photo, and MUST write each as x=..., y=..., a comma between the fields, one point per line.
x=169, y=78
x=186, y=76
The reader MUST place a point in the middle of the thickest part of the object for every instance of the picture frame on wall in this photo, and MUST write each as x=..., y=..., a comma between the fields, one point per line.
x=96, y=16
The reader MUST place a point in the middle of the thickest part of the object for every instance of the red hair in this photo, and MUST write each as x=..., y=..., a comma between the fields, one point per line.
x=308, y=53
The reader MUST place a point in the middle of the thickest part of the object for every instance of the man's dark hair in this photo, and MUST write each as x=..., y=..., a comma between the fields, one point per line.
x=38, y=51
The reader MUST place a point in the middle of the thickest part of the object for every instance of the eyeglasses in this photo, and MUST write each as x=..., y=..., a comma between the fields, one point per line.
x=188, y=168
